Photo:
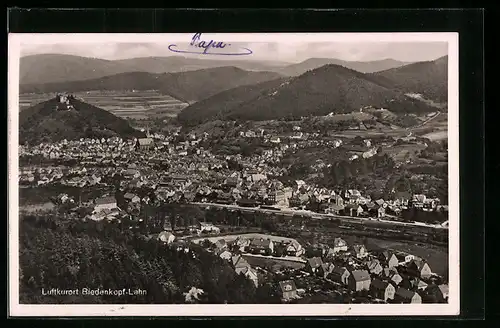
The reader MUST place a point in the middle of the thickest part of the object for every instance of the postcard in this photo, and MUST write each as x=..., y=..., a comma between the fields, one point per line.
x=264, y=174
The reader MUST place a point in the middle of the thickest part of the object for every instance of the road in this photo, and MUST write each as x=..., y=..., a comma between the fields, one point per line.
x=424, y=123
x=290, y=212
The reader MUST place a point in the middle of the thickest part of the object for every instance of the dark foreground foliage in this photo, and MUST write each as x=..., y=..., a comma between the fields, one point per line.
x=74, y=255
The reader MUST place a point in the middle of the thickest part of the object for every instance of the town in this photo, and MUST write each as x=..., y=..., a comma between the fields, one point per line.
x=116, y=180
x=161, y=169
x=195, y=183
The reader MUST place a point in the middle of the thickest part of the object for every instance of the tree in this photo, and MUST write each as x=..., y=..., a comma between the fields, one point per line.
x=279, y=250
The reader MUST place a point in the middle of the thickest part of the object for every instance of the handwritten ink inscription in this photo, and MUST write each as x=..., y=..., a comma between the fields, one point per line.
x=210, y=47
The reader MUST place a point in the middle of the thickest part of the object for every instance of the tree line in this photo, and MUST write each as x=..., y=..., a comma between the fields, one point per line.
x=73, y=254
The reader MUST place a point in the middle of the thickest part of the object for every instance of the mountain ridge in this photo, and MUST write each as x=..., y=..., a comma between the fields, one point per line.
x=49, y=68
x=186, y=86
x=360, y=66
x=330, y=88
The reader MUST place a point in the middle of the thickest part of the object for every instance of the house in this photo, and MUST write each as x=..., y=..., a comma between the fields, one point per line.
x=419, y=268
x=389, y=258
x=261, y=246
x=418, y=200
x=131, y=198
x=404, y=295
x=402, y=197
x=445, y=290
x=404, y=258
x=277, y=197
x=105, y=203
x=225, y=254
x=239, y=262
x=334, y=209
x=144, y=143
x=288, y=290
x=340, y=275
x=436, y=293
x=418, y=284
x=220, y=244
x=250, y=273
x=275, y=140
x=294, y=249
x=257, y=177
x=208, y=227
x=360, y=251
x=166, y=237
x=393, y=276
x=374, y=267
x=300, y=183
x=352, y=194
x=359, y=280
x=382, y=289
x=313, y=264
x=325, y=269
x=353, y=210
x=337, y=200
x=242, y=243
x=339, y=245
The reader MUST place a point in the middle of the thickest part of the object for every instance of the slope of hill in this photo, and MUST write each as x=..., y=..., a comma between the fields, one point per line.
x=222, y=104
x=328, y=89
x=187, y=86
x=43, y=122
x=429, y=78
x=364, y=67
x=49, y=68
x=173, y=64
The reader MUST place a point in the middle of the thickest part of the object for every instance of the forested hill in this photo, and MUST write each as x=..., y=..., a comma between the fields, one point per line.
x=44, y=122
x=364, y=67
x=330, y=88
x=429, y=78
x=74, y=254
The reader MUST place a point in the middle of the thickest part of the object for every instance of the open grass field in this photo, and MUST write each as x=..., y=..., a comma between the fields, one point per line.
x=265, y=261
x=402, y=152
x=126, y=104
x=231, y=237
x=436, y=136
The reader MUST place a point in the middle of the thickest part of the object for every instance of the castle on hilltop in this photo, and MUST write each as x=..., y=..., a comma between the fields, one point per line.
x=63, y=102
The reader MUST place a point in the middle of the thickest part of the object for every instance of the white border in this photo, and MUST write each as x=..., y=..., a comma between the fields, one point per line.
x=16, y=309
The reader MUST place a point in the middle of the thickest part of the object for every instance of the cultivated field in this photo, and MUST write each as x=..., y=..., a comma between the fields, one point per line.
x=126, y=104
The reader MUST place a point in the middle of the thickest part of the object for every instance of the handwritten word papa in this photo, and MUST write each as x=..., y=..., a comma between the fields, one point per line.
x=195, y=42
x=211, y=47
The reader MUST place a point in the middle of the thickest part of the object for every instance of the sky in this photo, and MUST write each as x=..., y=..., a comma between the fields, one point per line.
x=273, y=51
